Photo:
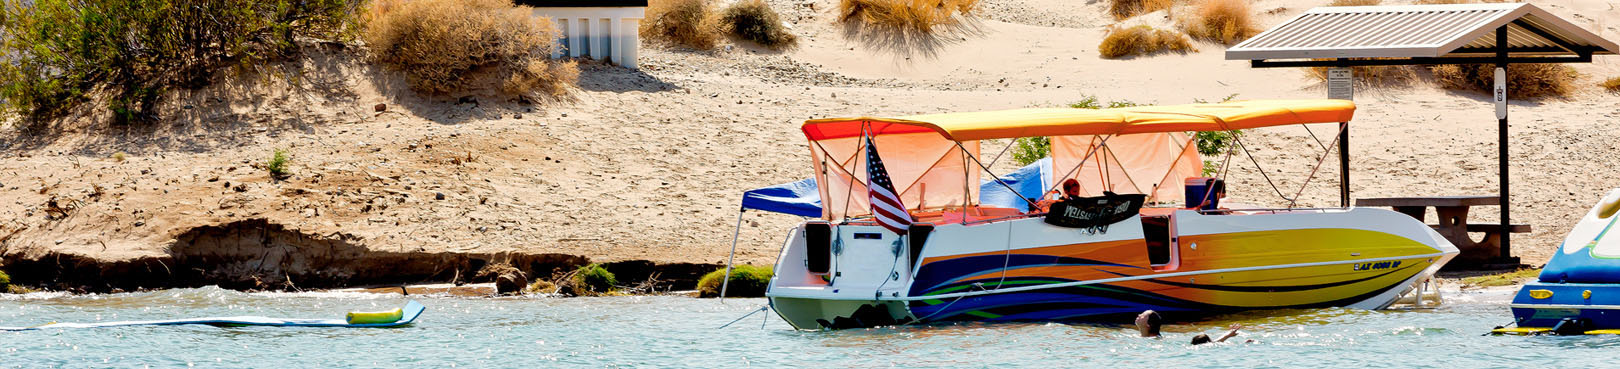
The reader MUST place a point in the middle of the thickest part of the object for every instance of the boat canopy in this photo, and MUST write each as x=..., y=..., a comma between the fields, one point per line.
x=933, y=160
x=1068, y=122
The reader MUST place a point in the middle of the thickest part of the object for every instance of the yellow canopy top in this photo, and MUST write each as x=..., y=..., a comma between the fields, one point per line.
x=1067, y=121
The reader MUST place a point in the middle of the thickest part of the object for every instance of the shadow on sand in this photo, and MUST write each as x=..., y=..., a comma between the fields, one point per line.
x=599, y=76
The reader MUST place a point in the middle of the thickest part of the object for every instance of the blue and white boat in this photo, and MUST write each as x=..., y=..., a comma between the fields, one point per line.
x=1578, y=291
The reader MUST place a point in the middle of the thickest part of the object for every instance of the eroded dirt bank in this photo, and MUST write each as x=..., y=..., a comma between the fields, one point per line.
x=255, y=254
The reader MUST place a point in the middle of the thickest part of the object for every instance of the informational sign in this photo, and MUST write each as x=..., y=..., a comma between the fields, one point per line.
x=1500, y=93
x=1340, y=83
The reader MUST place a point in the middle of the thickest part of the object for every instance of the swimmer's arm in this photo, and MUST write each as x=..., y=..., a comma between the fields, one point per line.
x=1230, y=333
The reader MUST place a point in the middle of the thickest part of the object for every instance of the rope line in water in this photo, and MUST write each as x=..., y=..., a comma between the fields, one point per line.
x=751, y=313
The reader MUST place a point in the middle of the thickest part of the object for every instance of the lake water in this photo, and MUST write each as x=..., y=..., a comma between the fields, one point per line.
x=671, y=331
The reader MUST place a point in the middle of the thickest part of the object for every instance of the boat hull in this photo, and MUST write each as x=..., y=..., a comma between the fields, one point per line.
x=1025, y=270
x=1540, y=304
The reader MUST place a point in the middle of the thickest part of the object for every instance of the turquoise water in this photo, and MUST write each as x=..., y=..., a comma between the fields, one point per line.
x=670, y=331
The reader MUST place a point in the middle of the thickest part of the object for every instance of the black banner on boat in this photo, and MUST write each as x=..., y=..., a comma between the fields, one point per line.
x=1095, y=212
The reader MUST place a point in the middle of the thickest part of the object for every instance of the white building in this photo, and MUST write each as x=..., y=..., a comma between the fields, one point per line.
x=598, y=29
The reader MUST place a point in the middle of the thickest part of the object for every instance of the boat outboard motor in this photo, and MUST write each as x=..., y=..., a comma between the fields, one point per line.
x=1572, y=327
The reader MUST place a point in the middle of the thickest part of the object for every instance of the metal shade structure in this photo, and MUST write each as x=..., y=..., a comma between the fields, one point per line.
x=1498, y=34
x=1422, y=34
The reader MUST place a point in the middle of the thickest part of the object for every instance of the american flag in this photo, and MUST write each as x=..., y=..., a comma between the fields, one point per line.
x=886, y=206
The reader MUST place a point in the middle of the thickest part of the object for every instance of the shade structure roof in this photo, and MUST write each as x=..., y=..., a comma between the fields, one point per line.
x=1421, y=31
x=1069, y=121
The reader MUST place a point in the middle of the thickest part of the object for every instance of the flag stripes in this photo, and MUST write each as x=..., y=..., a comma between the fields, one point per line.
x=886, y=206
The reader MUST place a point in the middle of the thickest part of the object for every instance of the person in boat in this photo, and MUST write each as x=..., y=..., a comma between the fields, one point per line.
x=1071, y=191
x=1204, y=338
x=1213, y=201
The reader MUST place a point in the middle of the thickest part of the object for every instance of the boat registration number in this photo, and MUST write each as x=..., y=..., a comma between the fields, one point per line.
x=1376, y=265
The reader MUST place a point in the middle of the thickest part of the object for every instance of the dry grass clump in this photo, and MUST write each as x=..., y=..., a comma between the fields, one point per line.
x=1613, y=84
x=689, y=23
x=1142, y=40
x=753, y=20
x=446, y=46
x=1223, y=21
x=907, y=16
x=1355, y=2
x=1122, y=9
x=1524, y=81
x=1375, y=75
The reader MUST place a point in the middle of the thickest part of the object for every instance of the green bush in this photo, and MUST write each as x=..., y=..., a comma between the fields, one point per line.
x=278, y=163
x=5, y=281
x=55, y=53
x=746, y=281
x=753, y=20
x=1031, y=149
x=594, y=278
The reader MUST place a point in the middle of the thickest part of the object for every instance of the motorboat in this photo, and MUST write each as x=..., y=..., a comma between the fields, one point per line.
x=1578, y=292
x=1137, y=237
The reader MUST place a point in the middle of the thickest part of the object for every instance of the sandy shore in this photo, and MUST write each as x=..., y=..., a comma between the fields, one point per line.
x=649, y=165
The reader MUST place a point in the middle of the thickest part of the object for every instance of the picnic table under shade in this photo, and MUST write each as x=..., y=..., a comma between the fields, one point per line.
x=1452, y=212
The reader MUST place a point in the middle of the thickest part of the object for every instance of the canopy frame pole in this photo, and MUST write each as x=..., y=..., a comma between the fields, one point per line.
x=994, y=176
x=1314, y=169
x=729, y=259
x=1083, y=160
x=1502, y=145
x=966, y=175
x=860, y=149
x=1344, y=164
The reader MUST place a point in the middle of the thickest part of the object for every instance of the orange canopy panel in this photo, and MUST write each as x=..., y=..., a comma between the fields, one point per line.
x=1070, y=122
x=1154, y=164
x=929, y=172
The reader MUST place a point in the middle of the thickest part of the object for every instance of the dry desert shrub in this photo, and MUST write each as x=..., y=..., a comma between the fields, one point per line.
x=906, y=16
x=1355, y=2
x=1613, y=84
x=1122, y=9
x=1142, y=40
x=753, y=20
x=446, y=46
x=1223, y=21
x=1524, y=81
x=1375, y=75
x=689, y=23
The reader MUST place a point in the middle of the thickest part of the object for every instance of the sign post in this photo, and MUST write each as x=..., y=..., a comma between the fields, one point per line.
x=1341, y=85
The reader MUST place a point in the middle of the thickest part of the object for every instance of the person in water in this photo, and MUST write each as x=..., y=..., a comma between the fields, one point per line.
x=1204, y=338
x=1149, y=322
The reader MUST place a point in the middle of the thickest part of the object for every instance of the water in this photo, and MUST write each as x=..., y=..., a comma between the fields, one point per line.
x=668, y=331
